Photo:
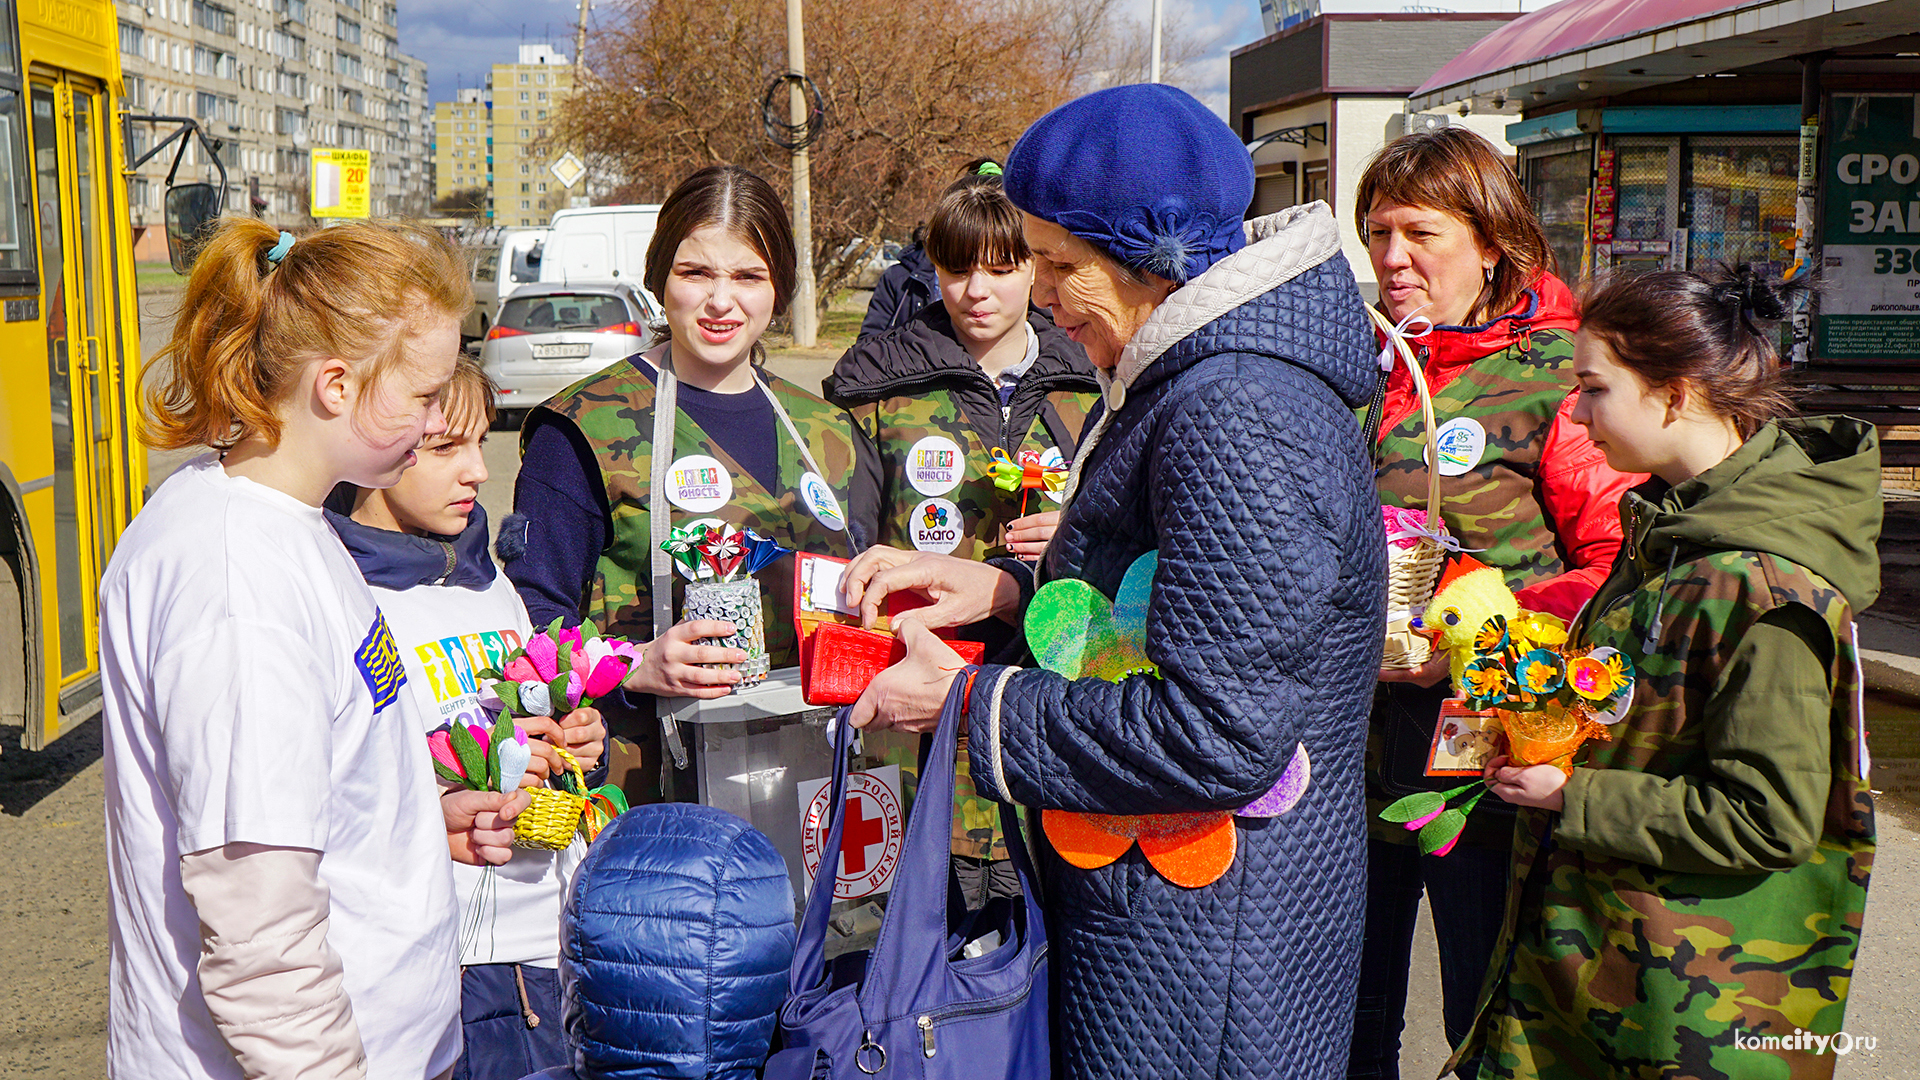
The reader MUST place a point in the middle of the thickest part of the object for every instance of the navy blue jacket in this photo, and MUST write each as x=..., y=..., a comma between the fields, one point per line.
x=1232, y=448
x=903, y=289
x=674, y=948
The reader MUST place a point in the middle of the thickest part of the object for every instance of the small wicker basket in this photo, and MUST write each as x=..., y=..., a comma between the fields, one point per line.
x=550, y=823
x=1413, y=574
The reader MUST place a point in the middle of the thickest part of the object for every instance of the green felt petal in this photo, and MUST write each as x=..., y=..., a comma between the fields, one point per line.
x=1066, y=620
x=1130, y=603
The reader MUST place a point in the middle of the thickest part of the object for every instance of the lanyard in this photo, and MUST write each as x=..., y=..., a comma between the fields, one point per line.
x=665, y=418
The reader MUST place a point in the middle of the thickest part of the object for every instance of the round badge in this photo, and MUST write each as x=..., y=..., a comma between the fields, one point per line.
x=1052, y=458
x=934, y=465
x=935, y=526
x=698, y=484
x=821, y=502
x=1463, y=442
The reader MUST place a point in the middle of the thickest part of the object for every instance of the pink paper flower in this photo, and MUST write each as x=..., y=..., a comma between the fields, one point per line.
x=571, y=638
x=545, y=656
x=1414, y=826
x=1448, y=846
x=576, y=684
x=606, y=675
x=521, y=670
x=581, y=660
x=440, y=746
x=479, y=736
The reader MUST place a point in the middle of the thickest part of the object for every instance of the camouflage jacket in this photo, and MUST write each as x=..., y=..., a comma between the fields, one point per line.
x=916, y=394
x=934, y=419
x=614, y=411
x=1703, y=888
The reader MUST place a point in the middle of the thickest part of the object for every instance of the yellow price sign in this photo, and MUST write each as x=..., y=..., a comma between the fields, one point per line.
x=340, y=185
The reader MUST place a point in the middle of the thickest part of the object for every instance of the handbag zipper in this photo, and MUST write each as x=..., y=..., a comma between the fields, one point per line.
x=927, y=1020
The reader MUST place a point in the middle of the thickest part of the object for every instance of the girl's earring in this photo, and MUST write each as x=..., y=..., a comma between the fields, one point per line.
x=1489, y=275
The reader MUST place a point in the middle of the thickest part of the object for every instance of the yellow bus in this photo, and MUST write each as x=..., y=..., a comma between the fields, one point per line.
x=72, y=472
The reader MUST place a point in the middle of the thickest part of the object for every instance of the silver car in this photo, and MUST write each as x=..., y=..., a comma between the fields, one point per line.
x=550, y=336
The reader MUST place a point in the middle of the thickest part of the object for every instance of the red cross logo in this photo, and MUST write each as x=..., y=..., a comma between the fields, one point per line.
x=857, y=835
x=871, y=832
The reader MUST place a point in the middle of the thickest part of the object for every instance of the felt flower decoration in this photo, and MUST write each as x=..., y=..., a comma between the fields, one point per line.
x=1074, y=630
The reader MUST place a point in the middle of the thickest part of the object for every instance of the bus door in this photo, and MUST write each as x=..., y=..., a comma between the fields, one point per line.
x=69, y=130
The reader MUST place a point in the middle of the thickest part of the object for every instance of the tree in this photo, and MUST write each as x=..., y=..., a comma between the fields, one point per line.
x=913, y=92
x=466, y=202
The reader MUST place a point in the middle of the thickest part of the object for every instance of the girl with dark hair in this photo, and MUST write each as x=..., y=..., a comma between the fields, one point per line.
x=600, y=463
x=1693, y=891
x=1463, y=266
x=979, y=372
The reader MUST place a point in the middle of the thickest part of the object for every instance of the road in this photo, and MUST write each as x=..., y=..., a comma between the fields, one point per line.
x=53, y=941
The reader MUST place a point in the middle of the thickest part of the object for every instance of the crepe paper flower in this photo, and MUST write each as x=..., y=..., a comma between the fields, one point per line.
x=544, y=653
x=1443, y=830
x=604, y=676
x=1491, y=637
x=576, y=687
x=1540, y=672
x=521, y=669
x=515, y=755
x=761, y=552
x=1485, y=679
x=1416, y=823
x=1538, y=628
x=1405, y=526
x=535, y=699
x=445, y=764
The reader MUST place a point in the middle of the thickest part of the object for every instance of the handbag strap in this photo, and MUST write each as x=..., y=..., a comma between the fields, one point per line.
x=809, y=967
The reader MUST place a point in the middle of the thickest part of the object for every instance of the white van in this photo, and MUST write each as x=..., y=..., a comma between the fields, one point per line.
x=503, y=260
x=599, y=243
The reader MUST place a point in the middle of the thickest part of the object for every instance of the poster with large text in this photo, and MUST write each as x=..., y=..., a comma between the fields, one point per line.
x=1870, y=229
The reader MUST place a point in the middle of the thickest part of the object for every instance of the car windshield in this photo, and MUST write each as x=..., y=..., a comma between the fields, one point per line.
x=563, y=311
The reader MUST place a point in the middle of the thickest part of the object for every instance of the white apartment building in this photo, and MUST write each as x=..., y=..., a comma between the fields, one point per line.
x=269, y=80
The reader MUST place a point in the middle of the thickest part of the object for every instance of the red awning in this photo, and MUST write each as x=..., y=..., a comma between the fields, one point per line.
x=1565, y=27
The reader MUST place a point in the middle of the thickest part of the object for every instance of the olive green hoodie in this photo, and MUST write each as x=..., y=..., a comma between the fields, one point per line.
x=1707, y=877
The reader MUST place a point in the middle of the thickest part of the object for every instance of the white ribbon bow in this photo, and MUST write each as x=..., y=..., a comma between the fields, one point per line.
x=1403, y=331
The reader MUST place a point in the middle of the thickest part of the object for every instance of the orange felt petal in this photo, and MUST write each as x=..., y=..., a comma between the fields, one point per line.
x=1194, y=850
x=1088, y=841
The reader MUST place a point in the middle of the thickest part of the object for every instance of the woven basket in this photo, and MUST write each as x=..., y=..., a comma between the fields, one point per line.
x=550, y=823
x=1412, y=574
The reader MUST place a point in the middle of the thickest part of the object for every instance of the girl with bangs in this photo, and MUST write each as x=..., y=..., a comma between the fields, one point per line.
x=422, y=547
x=979, y=374
x=1464, y=269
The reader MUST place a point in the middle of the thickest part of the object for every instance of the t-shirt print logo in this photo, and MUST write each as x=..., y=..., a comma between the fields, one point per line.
x=379, y=662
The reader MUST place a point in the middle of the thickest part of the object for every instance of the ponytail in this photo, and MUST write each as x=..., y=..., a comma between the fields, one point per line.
x=248, y=327
x=1712, y=329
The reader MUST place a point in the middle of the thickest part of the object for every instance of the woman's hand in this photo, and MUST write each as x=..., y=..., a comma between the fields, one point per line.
x=480, y=824
x=543, y=734
x=1437, y=668
x=1527, y=785
x=963, y=591
x=909, y=695
x=584, y=734
x=669, y=665
x=1027, y=537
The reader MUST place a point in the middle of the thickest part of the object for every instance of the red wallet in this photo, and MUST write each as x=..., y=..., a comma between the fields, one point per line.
x=837, y=662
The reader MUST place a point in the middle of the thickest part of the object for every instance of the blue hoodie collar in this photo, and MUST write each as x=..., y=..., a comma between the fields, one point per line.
x=397, y=560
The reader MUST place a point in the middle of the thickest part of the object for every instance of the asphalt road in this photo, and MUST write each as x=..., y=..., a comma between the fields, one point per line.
x=53, y=936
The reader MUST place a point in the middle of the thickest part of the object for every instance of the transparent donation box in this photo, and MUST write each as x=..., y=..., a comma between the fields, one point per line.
x=762, y=753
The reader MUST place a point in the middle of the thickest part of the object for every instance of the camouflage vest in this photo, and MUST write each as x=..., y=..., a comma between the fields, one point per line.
x=898, y=427
x=1621, y=968
x=1494, y=418
x=614, y=410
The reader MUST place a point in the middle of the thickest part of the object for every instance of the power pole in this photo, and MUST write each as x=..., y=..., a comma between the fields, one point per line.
x=1154, y=72
x=580, y=44
x=804, y=315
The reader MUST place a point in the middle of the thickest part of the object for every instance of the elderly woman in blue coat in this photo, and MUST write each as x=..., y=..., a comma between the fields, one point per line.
x=1233, y=355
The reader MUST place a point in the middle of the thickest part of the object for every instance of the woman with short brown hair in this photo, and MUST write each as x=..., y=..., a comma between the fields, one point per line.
x=1464, y=268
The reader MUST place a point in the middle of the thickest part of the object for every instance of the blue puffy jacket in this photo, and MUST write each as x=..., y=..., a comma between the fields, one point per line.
x=1230, y=446
x=674, y=948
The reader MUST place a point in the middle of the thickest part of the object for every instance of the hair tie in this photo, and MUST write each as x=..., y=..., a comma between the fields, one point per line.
x=988, y=168
x=279, y=250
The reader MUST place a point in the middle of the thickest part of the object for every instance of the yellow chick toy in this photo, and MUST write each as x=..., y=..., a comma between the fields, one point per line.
x=1470, y=593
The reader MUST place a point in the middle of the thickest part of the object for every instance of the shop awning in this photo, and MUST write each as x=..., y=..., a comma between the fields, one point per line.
x=1618, y=45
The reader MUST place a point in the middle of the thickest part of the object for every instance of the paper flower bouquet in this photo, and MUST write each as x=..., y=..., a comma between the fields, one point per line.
x=1550, y=696
x=558, y=670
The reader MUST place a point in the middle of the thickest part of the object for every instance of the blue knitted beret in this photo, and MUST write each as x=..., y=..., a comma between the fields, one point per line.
x=1144, y=172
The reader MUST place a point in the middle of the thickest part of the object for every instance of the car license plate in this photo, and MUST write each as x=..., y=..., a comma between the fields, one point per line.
x=561, y=352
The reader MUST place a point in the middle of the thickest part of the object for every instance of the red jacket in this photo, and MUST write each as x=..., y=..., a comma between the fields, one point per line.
x=1580, y=494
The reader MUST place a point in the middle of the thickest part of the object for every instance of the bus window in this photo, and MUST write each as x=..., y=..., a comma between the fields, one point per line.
x=16, y=253
x=66, y=505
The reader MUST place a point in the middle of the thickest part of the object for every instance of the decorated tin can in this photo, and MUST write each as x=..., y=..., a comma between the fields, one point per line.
x=737, y=602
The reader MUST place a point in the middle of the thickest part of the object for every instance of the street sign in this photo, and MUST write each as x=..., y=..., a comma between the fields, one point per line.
x=1870, y=302
x=569, y=169
x=340, y=184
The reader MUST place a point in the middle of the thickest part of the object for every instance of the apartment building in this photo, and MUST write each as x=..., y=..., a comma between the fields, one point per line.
x=495, y=138
x=268, y=80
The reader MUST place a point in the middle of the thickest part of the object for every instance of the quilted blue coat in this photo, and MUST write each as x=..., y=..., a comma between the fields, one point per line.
x=674, y=948
x=1229, y=445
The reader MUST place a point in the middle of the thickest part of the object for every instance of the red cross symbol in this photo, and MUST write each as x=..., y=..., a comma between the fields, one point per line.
x=858, y=834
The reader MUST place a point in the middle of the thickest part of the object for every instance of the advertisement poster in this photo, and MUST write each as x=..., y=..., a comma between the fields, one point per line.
x=341, y=187
x=1870, y=229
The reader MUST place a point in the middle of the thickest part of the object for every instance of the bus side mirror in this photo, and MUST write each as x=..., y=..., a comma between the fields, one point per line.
x=191, y=208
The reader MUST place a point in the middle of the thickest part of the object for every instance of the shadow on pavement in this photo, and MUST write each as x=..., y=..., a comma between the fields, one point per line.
x=28, y=776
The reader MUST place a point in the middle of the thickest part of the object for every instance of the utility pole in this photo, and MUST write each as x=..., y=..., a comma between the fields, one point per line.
x=1154, y=72
x=803, y=313
x=580, y=44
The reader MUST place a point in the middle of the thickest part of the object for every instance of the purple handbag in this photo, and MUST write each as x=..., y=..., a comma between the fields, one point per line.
x=911, y=1006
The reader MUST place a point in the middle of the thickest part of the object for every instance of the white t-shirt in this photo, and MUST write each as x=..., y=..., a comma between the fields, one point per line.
x=446, y=633
x=253, y=694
